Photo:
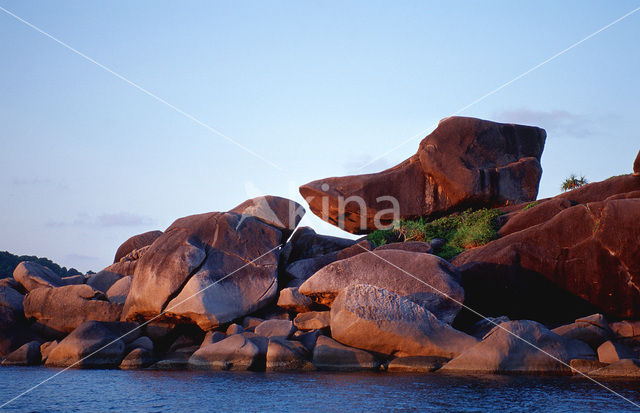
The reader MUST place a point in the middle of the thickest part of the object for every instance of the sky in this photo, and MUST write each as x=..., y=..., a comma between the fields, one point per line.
x=310, y=89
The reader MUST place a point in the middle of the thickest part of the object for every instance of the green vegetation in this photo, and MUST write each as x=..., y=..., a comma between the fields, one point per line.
x=461, y=231
x=8, y=262
x=531, y=205
x=573, y=182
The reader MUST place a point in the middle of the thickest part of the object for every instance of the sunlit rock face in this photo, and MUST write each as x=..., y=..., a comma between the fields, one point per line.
x=464, y=162
x=185, y=273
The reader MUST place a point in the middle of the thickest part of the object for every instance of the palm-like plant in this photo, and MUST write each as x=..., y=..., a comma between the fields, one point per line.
x=573, y=182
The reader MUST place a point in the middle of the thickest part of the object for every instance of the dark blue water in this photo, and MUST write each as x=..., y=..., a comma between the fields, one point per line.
x=115, y=390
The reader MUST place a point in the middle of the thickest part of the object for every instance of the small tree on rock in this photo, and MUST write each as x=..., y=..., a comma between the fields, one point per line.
x=573, y=182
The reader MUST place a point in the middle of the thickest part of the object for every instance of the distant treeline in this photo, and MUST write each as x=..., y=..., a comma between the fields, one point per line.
x=9, y=261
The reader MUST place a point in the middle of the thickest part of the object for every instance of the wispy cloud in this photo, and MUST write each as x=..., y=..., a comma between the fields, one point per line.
x=354, y=166
x=123, y=219
x=37, y=181
x=106, y=220
x=557, y=122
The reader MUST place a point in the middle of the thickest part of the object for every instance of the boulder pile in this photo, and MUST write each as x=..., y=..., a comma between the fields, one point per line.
x=557, y=293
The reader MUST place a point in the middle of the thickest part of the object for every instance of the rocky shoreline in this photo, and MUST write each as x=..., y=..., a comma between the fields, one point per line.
x=247, y=289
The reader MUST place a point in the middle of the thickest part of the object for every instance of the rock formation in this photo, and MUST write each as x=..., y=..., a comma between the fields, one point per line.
x=388, y=269
x=509, y=348
x=93, y=344
x=581, y=260
x=33, y=275
x=185, y=272
x=58, y=311
x=136, y=242
x=377, y=320
x=464, y=162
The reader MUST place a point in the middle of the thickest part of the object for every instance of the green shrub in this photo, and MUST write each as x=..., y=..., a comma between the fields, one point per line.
x=573, y=182
x=531, y=205
x=460, y=231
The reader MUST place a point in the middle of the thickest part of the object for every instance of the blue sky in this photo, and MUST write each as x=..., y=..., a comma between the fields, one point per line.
x=318, y=88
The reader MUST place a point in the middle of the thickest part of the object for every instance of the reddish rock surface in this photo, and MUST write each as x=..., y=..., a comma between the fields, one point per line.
x=58, y=311
x=184, y=272
x=136, y=242
x=465, y=162
x=636, y=165
x=582, y=260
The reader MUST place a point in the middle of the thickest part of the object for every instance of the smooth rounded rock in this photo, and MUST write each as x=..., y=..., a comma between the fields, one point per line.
x=313, y=320
x=27, y=355
x=328, y=354
x=509, y=348
x=136, y=242
x=380, y=321
x=234, y=329
x=185, y=272
x=92, y=345
x=106, y=278
x=138, y=358
x=33, y=275
x=275, y=328
x=235, y=352
x=285, y=355
x=426, y=279
x=290, y=299
x=119, y=291
x=60, y=310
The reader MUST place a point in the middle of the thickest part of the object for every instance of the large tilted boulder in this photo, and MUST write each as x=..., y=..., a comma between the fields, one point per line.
x=520, y=347
x=136, y=242
x=212, y=268
x=636, y=165
x=58, y=311
x=93, y=344
x=581, y=261
x=464, y=162
x=33, y=275
x=377, y=320
x=425, y=279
